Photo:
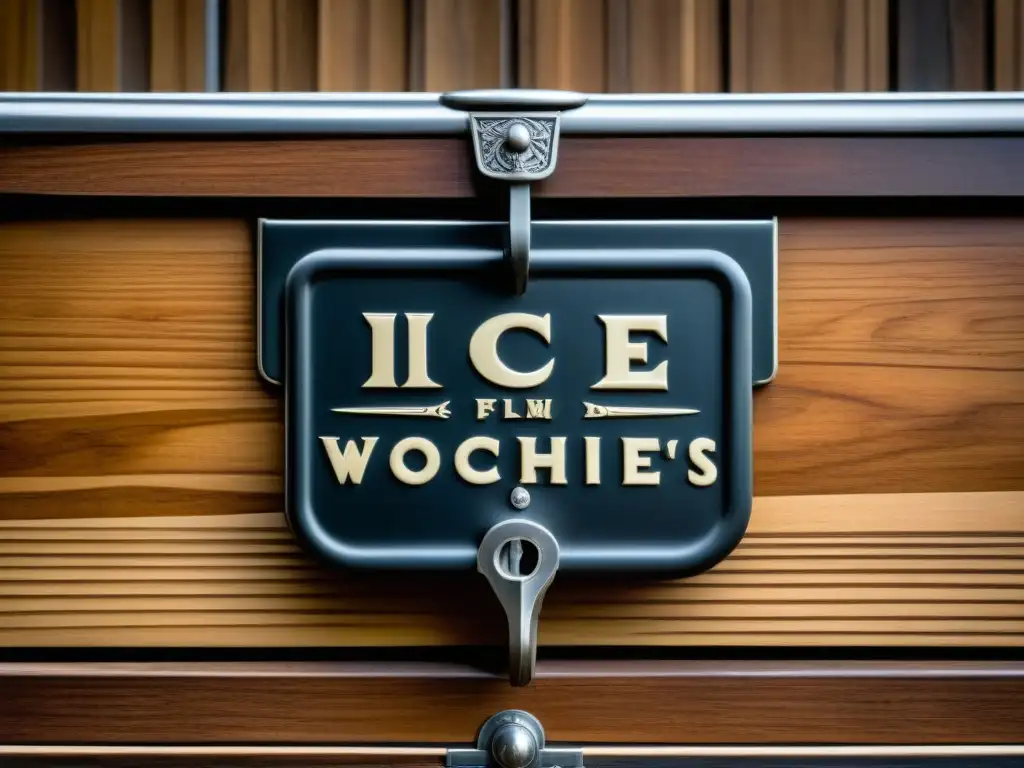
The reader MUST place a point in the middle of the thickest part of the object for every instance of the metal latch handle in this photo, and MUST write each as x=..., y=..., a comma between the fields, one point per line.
x=515, y=139
x=521, y=595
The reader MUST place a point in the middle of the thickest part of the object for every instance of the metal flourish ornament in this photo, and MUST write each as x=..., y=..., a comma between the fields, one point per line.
x=516, y=145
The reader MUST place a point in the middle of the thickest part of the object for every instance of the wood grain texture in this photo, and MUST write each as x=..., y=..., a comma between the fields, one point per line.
x=271, y=45
x=942, y=46
x=457, y=44
x=99, y=45
x=579, y=703
x=741, y=167
x=362, y=45
x=664, y=46
x=177, y=47
x=20, y=45
x=140, y=458
x=808, y=45
x=1008, y=26
x=899, y=569
x=563, y=44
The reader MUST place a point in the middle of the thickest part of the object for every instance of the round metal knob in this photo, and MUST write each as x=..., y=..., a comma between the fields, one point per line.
x=518, y=137
x=513, y=746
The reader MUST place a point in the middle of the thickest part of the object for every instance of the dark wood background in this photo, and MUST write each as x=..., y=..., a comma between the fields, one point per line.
x=589, y=45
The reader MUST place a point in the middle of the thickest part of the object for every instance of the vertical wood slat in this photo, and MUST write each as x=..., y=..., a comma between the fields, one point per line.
x=178, y=45
x=20, y=44
x=112, y=45
x=37, y=45
x=562, y=44
x=941, y=46
x=98, y=37
x=271, y=45
x=664, y=46
x=362, y=46
x=808, y=45
x=1009, y=45
x=456, y=44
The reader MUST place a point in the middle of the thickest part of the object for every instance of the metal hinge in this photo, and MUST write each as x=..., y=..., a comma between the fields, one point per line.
x=513, y=739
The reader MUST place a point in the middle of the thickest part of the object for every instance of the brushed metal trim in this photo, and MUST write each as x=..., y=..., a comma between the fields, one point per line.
x=421, y=114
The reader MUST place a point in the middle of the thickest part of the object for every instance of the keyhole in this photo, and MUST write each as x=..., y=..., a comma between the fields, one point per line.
x=518, y=558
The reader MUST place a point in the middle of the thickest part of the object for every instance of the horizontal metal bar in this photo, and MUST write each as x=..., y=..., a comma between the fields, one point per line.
x=421, y=114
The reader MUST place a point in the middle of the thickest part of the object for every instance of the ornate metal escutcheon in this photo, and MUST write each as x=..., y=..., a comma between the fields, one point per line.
x=516, y=396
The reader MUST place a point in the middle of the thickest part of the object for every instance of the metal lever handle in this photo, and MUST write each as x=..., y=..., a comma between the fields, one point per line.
x=520, y=595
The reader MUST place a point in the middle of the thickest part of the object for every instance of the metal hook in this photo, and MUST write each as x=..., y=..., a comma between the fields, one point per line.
x=519, y=234
x=515, y=139
x=521, y=596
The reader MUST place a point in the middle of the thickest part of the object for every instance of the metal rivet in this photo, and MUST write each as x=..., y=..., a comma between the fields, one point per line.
x=513, y=746
x=518, y=137
x=520, y=497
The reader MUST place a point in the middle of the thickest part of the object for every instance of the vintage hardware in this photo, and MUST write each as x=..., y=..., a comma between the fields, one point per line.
x=406, y=339
x=513, y=739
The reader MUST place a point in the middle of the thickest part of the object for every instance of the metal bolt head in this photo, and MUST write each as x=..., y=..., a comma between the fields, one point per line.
x=518, y=138
x=513, y=746
x=520, y=497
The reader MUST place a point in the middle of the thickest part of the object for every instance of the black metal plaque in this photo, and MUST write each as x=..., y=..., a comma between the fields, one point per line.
x=424, y=396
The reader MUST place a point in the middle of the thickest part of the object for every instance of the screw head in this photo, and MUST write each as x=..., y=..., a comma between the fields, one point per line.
x=520, y=497
x=517, y=139
x=513, y=746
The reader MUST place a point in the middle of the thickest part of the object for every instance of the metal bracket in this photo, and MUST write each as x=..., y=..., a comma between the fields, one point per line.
x=515, y=139
x=513, y=739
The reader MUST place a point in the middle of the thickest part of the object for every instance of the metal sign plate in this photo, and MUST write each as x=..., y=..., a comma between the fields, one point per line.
x=421, y=393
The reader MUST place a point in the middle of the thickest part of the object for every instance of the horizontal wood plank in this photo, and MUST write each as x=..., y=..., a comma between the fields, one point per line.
x=588, y=167
x=141, y=458
x=899, y=569
x=670, y=703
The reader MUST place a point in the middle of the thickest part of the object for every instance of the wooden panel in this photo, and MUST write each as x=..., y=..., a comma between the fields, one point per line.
x=941, y=45
x=808, y=45
x=664, y=46
x=1009, y=45
x=578, y=703
x=769, y=167
x=99, y=44
x=140, y=458
x=177, y=54
x=603, y=756
x=362, y=45
x=562, y=45
x=456, y=44
x=113, y=45
x=271, y=45
x=842, y=570
x=20, y=43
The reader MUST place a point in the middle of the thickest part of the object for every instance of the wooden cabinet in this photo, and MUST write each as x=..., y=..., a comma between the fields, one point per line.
x=152, y=596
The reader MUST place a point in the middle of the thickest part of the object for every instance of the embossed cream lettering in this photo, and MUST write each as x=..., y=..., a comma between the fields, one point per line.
x=634, y=463
x=483, y=349
x=708, y=472
x=466, y=470
x=536, y=466
x=531, y=460
x=350, y=463
x=620, y=352
x=382, y=351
